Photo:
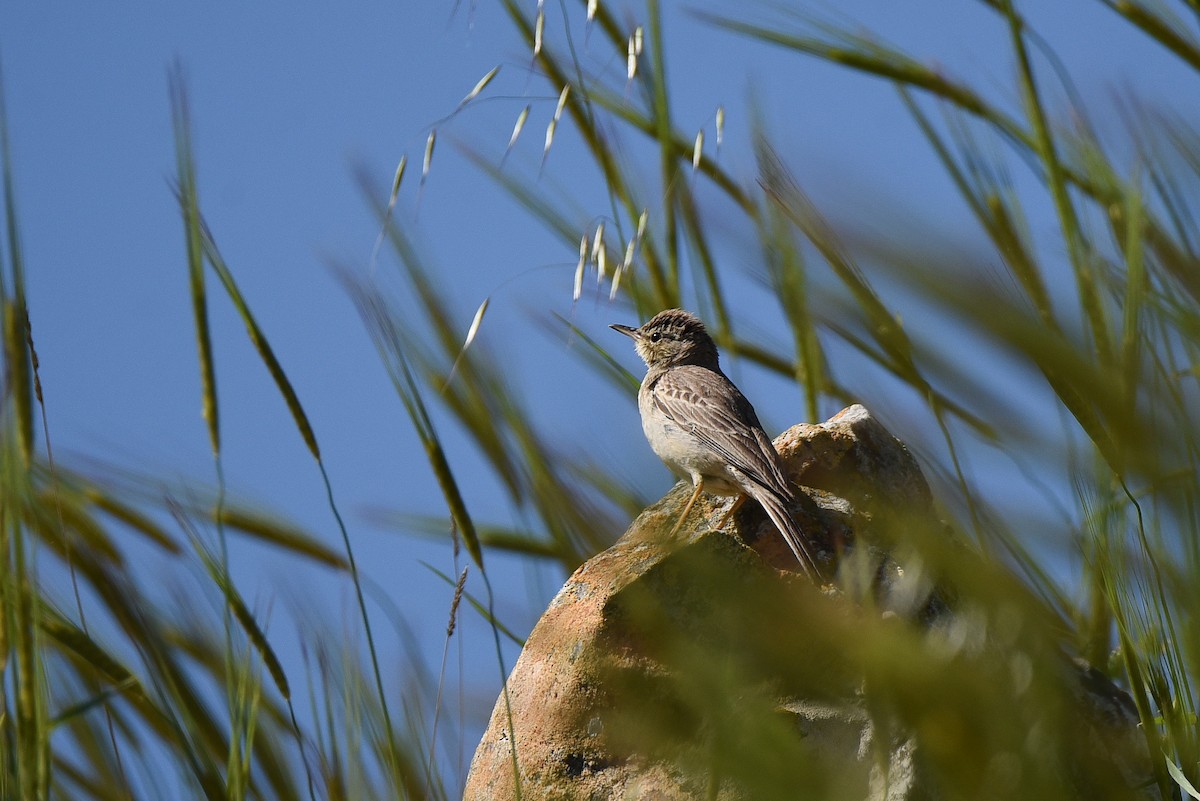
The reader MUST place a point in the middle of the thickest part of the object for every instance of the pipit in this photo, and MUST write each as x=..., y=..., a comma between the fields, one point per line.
x=702, y=426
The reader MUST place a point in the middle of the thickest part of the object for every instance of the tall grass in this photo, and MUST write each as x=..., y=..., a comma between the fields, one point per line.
x=1104, y=321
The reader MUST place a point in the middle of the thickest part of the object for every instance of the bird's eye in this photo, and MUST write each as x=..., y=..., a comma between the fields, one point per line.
x=655, y=336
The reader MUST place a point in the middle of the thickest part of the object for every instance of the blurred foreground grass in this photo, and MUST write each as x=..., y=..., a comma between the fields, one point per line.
x=1102, y=320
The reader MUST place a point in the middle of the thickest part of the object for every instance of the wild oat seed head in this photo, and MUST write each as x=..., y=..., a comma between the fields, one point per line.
x=479, y=87
x=598, y=253
x=580, y=266
x=429, y=143
x=399, y=177
x=577, y=289
x=549, y=136
x=474, y=329
x=562, y=100
x=622, y=267
x=521, y=118
x=598, y=242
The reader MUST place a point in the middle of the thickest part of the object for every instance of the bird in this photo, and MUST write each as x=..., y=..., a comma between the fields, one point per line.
x=702, y=426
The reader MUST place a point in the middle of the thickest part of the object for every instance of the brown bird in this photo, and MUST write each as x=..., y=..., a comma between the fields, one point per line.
x=702, y=426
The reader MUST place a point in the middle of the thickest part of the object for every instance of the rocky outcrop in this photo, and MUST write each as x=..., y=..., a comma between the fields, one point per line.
x=706, y=667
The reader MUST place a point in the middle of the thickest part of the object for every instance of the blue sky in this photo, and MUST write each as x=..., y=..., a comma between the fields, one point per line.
x=287, y=101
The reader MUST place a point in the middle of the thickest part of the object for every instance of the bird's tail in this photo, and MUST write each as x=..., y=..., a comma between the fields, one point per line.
x=776, y=509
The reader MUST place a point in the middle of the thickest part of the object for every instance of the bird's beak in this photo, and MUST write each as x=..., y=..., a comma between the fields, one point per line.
x=626, y=330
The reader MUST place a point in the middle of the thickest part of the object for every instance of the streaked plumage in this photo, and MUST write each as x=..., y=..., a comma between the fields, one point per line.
x=703, y=427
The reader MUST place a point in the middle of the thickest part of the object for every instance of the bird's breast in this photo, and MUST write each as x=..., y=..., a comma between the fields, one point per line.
x=681, y=451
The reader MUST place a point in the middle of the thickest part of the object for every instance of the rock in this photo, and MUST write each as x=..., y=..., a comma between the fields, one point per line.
x=707, y=667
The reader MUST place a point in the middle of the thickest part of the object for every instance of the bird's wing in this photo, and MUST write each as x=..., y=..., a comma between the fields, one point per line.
x=707, y=405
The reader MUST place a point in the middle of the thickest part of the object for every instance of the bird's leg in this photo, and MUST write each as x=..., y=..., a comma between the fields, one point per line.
x=737, y=504
x=688, y=508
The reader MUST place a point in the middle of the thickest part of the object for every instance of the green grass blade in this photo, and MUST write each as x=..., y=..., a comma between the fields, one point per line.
x=259, y=340
x=1089, y=299
x=194, y=234
x=1170, y=32
x=13, y=309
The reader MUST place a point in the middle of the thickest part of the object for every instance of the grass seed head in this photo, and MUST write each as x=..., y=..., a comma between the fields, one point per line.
x=598, y=242
x=577, y=290
x=474, y=329
x=429, y=144
x=562, y=100
x=549, y=136
x=479, y=87
x=396, y=180
x=520, y=126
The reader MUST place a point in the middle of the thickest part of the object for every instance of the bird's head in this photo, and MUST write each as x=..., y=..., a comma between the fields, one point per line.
x=670, y=338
